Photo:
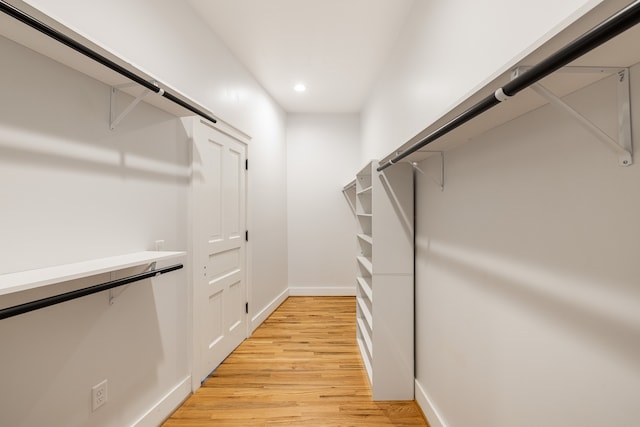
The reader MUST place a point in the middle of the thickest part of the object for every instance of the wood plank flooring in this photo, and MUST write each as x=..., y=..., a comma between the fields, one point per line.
x=301, y=367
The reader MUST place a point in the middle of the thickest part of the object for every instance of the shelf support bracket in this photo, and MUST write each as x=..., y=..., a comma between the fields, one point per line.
x=440, y=182
x=116, y=292
x=115, y=118
x=623, y=147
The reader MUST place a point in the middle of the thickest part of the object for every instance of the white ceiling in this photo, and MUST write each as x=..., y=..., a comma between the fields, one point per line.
x=335, y=47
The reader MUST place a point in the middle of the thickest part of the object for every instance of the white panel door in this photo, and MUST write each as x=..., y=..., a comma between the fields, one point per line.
x=220, y=319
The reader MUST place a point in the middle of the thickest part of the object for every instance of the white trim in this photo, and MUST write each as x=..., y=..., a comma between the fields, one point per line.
x=227, y=129
x=322, y=291
x=268, y=309
x=165, y=406
x=434, y=417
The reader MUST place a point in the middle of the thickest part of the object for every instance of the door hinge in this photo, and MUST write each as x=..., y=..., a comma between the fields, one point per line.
x=246, y=164
x=246, y=308
x=246, y=236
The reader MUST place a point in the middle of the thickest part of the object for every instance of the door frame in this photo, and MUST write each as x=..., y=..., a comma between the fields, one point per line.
x=194, y=353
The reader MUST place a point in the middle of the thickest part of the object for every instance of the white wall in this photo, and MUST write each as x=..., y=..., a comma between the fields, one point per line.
x=322, y=155
x=526, y=274
x=72, y=190
x=168, y=40
x=527, y=298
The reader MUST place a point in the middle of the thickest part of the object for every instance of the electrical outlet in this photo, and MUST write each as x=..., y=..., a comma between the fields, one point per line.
x=98, y=395
x=158, y=245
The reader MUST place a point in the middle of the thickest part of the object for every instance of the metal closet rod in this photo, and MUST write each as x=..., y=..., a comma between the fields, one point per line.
x=66, y=40
x=598, y=35
x=68, y=296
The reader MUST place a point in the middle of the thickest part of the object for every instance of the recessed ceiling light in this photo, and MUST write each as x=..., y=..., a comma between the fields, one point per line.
x=299, y=87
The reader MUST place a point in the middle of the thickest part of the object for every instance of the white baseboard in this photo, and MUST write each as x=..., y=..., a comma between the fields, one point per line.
x=266, y=311
x=429, y=410
x=322, y=291
x=169, y=403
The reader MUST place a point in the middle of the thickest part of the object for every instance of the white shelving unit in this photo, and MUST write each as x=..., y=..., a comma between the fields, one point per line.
x=384, y=301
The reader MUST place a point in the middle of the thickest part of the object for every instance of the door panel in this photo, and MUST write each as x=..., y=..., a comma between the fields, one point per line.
x=215, y=329
x=220, y=320
x=233, y=206
x=237, y=312
x=212, y=191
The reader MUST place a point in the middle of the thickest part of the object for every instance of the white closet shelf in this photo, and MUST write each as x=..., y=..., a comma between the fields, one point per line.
x=366, y=238
x=365, y=312
x=366, y=338
x=364, y=191
x=366, y=263
x=619, y=52
x=366, y=287
x=30, y=279
x=38, y=42
x=366, y=360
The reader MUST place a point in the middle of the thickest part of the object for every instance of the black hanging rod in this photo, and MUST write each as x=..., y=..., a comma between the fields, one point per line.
x=598, y=35
x=68, y=296
x=68, y=41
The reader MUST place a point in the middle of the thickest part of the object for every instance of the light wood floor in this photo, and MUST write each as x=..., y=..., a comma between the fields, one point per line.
x=301, y=367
